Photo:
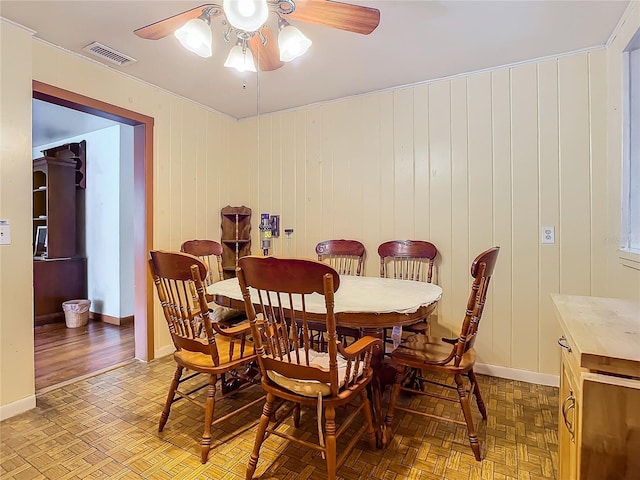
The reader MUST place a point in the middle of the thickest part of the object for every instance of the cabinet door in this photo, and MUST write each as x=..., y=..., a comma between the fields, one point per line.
x=610, y=440
x=568, y=424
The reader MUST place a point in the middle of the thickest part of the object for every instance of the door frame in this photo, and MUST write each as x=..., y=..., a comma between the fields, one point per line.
x=143, y=200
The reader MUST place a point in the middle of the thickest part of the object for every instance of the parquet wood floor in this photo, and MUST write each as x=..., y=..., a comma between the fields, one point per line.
x=106, y=427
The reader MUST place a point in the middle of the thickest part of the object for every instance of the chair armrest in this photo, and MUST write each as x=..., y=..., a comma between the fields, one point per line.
x=359, y=346
x=235, y=331
x=450, y=341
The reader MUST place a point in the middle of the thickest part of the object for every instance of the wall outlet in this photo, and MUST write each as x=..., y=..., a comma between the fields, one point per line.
x=5, y=233
x=549, y=234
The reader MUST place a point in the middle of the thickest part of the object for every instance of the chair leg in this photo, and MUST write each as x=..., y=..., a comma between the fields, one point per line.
x=366, y=410
x=466, y=410
x=330, y=434
x=296, y=415
x=388, y=419
x=476, y=392
x=413, y=379
x=164, y=416
x=209, y=408
x=267, y=412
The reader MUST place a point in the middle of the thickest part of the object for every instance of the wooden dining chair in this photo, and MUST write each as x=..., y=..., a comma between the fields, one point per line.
x=210, y=252
x=202, y=346
x=408, y=260
x=345, y=256
x=276, y=292
x=453, y=357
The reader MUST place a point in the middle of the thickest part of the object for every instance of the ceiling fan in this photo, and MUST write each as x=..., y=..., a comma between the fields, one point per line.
x=248, y=20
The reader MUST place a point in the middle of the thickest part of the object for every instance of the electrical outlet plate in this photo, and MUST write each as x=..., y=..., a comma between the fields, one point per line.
x=5, y=233
x=549, y=234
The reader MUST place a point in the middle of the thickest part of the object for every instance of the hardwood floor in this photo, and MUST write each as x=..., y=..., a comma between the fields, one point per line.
x=63, y=354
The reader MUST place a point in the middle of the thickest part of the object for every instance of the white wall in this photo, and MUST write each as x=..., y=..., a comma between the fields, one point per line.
x=188, y=138
x=127, y=288
x=622, y=269
x=466, y=163
x=17, y=381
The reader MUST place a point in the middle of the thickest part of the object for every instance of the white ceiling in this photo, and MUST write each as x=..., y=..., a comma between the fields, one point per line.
x=52, y=123
x=416, y=41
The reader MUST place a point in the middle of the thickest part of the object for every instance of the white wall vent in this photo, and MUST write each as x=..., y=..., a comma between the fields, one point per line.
x=109, y=54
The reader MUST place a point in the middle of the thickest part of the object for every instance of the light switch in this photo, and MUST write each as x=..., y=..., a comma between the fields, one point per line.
x=5, y=233
x=548, y=234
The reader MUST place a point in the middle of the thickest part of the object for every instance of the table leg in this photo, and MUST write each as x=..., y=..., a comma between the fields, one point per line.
x=383, y=375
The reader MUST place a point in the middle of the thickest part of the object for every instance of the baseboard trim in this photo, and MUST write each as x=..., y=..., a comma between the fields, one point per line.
x=164, y=351
x=516, y=374
x=16, y=408
x=101, y=317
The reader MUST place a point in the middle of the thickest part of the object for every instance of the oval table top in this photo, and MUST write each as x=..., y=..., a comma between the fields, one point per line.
x=360, y=302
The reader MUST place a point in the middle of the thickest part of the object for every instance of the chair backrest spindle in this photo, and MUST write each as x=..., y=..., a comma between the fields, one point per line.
x=210, y=253
x=277, y=293
x=407, y=260
x=481, y=271
x=345, y=256
x=179, y=281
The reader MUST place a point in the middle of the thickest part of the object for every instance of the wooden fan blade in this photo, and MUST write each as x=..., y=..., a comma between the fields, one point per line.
x=344, y=16
x=267, y=56
x=169, y=25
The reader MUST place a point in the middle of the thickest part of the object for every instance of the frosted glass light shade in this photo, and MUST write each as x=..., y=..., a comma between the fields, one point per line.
x=247, y=15
x=292, y=43
x=241, y=61
x=195, y=36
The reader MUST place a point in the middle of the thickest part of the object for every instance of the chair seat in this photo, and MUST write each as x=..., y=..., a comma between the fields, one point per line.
x=201, y=361
x=422, y=349
x=218, y=313
x=420, y=327
x=311, y=388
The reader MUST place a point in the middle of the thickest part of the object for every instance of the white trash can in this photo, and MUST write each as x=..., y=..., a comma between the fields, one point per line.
x=76, y=312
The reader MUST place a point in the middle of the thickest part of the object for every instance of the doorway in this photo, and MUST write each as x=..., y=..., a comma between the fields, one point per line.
x=141, y=334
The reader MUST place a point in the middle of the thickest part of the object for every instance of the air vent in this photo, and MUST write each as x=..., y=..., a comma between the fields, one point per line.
x=109, y=54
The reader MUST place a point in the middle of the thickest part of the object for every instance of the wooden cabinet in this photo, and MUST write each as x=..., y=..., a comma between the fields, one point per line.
x=235, y=237
x=599, y=406
x=56, y=280
x=59, y=273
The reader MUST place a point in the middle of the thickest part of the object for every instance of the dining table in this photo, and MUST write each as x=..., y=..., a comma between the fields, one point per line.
x=369, y=304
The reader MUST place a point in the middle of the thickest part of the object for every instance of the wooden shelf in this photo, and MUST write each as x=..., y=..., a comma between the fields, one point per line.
x=54, y=204
x=236, y=237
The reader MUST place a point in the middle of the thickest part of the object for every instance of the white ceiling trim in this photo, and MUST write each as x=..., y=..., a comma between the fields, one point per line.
x=621, y=22
x=17, y=25
x=293, y=109
x=435, y=80
x=129, y=76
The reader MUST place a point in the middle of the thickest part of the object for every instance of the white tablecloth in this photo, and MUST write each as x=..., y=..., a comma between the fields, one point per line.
x=357, y=295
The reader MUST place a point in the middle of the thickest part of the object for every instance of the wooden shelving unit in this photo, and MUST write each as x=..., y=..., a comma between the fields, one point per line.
x=235, y=237
x=59, y=273
x=54, y=204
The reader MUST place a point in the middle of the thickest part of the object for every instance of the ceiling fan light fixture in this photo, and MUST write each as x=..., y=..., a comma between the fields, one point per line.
x=195, y=36
x=247, y=15
x=241, y=59
x=292, y=43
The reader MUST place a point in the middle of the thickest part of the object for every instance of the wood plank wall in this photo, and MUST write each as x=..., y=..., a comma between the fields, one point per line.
x=466, y=163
